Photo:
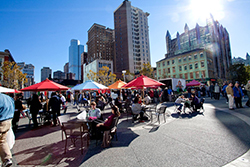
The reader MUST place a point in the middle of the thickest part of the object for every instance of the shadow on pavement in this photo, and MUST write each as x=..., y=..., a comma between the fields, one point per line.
x=185, y=115
x=125, y=137
x=52, y=154
x=236, y=126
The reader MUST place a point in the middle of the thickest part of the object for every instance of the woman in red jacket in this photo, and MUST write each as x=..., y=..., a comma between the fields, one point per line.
x=108, y=122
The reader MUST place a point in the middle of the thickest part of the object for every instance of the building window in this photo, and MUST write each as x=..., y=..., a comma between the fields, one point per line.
x=174, y=76
x=197, y=75
x=180, y=75
x=186, y=76
x=159, y=72
x=180, y=68
x=163, y=63
x=202, y=64
x=179, y=60
x=172, y=61
x=167, y=62
x=189, y=57
x=173, y=69
x=168, y=70
x=184, y=58
x=190, y=66
x=201, y=55
x=191, y=75
x=164, y=71
x=159, y=64
x=196, y=65
x=195, y=56
x=203, y=74
x=185, y=67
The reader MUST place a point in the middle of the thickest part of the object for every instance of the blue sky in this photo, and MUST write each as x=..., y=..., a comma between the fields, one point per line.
x=39, y=31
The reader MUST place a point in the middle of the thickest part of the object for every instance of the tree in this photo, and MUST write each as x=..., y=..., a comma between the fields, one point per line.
x=103, y=76
x=12, y=75
x=147, y=70
x=238, y=72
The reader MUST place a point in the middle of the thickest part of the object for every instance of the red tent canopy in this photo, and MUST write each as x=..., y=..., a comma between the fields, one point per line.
x=46, y=85
x=143, y=81
x=193, y=83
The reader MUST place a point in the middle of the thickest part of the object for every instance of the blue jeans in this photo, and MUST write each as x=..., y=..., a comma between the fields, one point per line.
x=179, y=104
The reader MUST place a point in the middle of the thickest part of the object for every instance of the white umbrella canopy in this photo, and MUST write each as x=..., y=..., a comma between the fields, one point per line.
x=6, y=90
x=89, y=85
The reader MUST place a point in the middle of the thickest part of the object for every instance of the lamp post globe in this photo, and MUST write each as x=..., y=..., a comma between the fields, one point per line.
x=123, y=72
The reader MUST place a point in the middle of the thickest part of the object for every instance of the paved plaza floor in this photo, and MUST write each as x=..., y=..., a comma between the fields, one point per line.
x=216, y=137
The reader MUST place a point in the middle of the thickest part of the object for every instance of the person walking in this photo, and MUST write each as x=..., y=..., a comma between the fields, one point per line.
x=216, y=92
x=7, y=109
x=54, y=104
x=211, y=89
x=224, y=90
x=238, y=94
x=230, y=95
x=18, y=109
x=247, y=88
x=35, y=106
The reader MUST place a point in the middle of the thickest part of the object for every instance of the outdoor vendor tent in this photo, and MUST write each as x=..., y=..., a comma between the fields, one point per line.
x=117, y=85
x=193, y=83
x=141, y=82
x=89, y=85
x=6, y=90
x=46, y=85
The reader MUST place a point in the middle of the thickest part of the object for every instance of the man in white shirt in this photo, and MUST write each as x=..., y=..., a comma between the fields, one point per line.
x=63, y=101
x=147, y=99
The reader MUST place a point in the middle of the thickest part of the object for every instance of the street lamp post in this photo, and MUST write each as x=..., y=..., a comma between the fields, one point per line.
x=123, y=72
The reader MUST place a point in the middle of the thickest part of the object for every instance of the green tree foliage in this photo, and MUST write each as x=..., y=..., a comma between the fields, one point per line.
x=103, y=76
x=147, y=70
x=238, y=72
x=12, y=75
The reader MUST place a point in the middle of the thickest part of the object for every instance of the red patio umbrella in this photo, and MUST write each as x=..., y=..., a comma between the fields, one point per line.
x=193, y=83
x=46, y=85
x=143, y=81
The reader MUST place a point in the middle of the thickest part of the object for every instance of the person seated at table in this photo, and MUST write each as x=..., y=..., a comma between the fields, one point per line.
x=94, y=112
x=106, y=125
x=195, y=102
x=137, y=109
x=118, y=103
x=147, y=99
x=178, y=102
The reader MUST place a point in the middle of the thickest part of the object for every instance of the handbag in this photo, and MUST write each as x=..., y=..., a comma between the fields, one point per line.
x=10, y=138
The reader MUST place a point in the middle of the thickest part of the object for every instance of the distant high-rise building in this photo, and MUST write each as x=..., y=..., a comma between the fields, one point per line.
x=28, y=69
x=202, y=53
x=84, y=57
x=131, y=38
x=45, y=73
x=100, y=43
x=59, y=75
x=75, y=51
x=66, y=68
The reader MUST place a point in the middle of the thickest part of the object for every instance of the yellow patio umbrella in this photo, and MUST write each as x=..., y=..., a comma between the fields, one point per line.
x=117, y=85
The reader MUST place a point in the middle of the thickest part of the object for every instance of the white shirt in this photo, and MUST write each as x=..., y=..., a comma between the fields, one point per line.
x=63, y=98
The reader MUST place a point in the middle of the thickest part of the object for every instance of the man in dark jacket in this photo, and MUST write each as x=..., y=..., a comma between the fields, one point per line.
x=18, y=109
x=54, y=104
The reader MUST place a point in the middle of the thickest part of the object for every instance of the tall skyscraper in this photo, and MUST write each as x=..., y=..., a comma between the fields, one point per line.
x=45, y=73
x=131, y=38
x=100, y=43
x=75, y=51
